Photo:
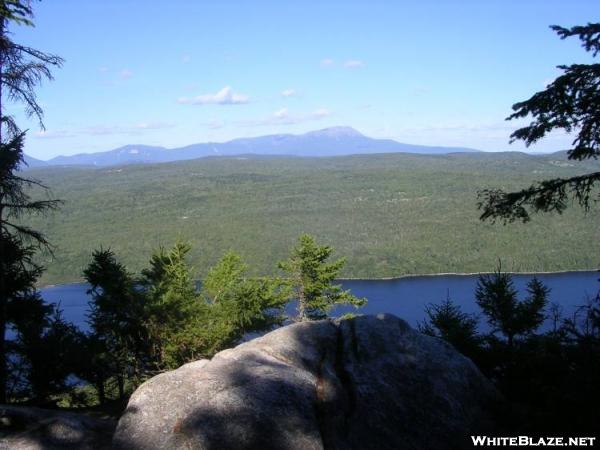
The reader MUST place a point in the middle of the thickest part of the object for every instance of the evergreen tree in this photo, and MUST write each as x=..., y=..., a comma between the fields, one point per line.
x=174, y=308
x=21, y=70
x=46, y=349
x=247, y=304
x=311, y=279
x=569, y=103
x=185, y=325
x=448, y=322
x=497, y=297
x=116, y=317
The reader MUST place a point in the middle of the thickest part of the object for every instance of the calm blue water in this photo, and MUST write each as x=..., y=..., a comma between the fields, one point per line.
x=403, y=297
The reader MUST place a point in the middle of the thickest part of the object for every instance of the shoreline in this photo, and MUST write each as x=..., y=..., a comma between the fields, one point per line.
x=401, y=277
x=469, y=274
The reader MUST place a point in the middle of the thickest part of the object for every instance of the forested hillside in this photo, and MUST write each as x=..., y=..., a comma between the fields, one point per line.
x=388, y=214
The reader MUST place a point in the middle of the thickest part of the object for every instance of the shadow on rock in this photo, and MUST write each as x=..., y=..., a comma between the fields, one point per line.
x=35, y=428
x=368, y=382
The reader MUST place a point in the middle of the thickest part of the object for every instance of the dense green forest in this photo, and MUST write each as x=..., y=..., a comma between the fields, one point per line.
x=389, y=215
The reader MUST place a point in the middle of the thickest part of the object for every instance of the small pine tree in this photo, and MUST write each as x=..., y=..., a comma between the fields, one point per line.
x=448, y=322
x=248, y=304
x=311, y=278
x=185, y=325
x=175, y=311
x=45, y=347
x=116, y=316
x=497, y=297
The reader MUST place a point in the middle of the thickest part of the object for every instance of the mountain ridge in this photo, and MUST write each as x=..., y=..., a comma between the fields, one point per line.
x=332, y=141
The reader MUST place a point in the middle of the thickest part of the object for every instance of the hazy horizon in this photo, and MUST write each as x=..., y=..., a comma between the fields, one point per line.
x=423, y=73
x=531, y=151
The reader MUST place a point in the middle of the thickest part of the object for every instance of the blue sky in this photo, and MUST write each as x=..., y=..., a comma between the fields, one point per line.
x=180, y=72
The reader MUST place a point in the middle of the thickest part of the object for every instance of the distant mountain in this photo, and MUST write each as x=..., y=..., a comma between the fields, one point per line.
x=335, y=141
x=123, y=155
x=34, y=162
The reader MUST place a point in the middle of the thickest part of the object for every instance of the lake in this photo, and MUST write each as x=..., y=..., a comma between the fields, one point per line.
x=404, y=297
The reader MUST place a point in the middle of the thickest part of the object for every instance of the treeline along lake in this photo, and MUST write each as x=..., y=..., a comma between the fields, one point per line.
x=404, y=297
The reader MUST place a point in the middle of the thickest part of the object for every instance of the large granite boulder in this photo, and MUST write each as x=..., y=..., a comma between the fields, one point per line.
x=28, y=428
x=368, y=382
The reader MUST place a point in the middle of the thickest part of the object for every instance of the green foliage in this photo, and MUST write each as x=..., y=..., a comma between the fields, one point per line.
x=22, y=68
x=223, y=278
x=175, y=311
x=42, y=349
x=550, y=380
x=248, y=304
x=21, y=71
x=497, y=297
x=16, y=11
x=161, y=321
x=20, y=304
x=311, y=278
x=388, y=215
x=569, y=103
x=448, y=322
x=46, y=350
x=15, y=199
x=185, y=325
x=116, y=318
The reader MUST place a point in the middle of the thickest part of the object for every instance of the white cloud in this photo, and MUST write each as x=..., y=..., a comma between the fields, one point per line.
x=53, y=134
x=151, y=126
x=288, y=93
x=126, y=73
x=225, y=96
x=353, y=64
x=186, y=59
x=101, y=130
x=327, y=62
x=284, y=117
x=489, y=136
x=283, y=113
x=320, y=113
x=104, y=130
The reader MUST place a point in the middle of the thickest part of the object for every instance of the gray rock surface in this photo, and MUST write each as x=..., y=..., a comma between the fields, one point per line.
x=27, y=428
x=368, y=382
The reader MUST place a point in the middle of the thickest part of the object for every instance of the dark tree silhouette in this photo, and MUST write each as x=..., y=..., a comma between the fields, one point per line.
x=21, y=70
x=448, y=322
x=569, y=103
x=497, y=298
x=116, y=318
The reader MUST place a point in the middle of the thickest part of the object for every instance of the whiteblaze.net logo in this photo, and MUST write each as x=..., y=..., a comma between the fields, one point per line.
x=528, y=441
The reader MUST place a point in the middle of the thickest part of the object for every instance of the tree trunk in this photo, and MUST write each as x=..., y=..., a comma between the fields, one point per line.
x=101, y=391
x=301, y=304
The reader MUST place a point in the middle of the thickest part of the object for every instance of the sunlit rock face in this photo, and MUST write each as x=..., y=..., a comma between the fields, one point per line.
x=367, y=382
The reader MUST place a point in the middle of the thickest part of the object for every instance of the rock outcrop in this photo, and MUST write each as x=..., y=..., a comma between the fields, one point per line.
x=27, y=428
x=368, y=382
